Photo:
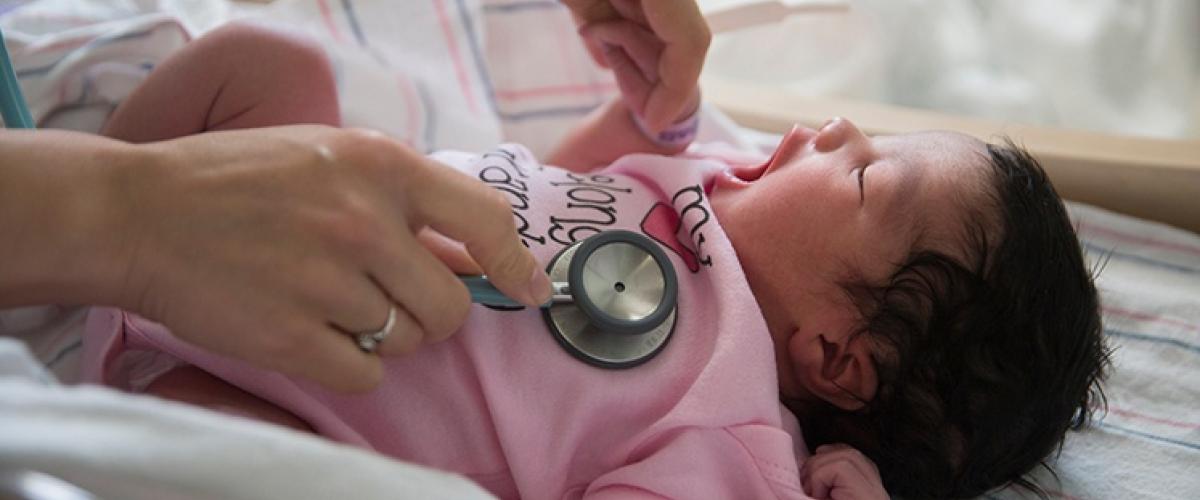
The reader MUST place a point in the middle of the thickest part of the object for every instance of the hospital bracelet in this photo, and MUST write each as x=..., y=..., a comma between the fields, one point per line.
x=680, y=133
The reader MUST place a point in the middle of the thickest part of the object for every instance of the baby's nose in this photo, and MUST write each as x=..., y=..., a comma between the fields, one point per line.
x=839, y=133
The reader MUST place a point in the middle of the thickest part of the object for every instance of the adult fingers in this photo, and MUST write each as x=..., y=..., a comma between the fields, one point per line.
x=586, y=11
x=669, y=100
x=681, y=27
x=327, y=357
x=640, y=44
x=593, y=47
x=435, y=301
x=589, y=11
x=405, y=336
x=450, y=252
x=351, y=301
x=632, y=54
x=632, y=10
x=634, y=87
x=677, y=22
x=362, y=305
x=428, y=193
x=481, y=218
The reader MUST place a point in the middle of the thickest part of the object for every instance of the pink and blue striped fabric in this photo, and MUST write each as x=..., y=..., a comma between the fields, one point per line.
x=1147, y=443
x=542, y=78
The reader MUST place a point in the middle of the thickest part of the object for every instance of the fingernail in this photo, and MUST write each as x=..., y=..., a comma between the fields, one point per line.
x=539, y=287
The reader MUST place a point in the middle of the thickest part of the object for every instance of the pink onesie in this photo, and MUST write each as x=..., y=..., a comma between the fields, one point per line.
x=502, y=403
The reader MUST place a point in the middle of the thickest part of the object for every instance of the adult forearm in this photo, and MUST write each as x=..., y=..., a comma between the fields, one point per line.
x=58, y=240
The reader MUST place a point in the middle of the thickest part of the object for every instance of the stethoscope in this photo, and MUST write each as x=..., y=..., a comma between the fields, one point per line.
x=614, y=293
x=614, y=299
x=12, y=103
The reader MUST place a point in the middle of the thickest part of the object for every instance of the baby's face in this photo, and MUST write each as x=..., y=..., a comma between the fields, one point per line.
x=832, y=206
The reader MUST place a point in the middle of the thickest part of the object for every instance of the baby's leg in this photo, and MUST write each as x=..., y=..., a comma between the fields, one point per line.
x=192, y=385
x=238, y=76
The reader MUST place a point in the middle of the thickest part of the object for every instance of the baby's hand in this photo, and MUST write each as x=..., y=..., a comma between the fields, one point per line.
x=839, y=472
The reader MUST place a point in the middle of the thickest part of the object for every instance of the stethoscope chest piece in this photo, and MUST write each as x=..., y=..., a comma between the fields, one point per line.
x=624, y=290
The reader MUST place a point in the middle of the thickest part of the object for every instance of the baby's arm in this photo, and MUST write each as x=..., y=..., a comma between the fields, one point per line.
x=605, y=135
x=839, y=472
x=612, y=131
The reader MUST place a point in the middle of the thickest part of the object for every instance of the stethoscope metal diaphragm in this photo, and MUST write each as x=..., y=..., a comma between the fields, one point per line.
x=625, y=293
x=614, y=302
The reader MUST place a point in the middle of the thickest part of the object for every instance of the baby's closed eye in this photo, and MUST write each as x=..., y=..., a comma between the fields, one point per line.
x=862, y=192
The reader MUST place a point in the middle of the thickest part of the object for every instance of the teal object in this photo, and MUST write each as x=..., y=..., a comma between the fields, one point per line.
x=483, y=292
x=12, y=102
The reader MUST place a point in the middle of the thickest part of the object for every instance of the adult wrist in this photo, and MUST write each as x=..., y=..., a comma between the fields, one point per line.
x=119, y=230
x=104, y=214
x=56, y=203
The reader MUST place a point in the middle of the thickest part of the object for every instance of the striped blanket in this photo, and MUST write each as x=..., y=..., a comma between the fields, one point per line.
x=1147, y=443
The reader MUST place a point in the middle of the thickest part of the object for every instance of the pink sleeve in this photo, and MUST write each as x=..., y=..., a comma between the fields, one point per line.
x=742, y=462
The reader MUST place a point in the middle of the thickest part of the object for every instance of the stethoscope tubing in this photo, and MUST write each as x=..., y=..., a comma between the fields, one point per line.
x=484, y=292
x=12, y=102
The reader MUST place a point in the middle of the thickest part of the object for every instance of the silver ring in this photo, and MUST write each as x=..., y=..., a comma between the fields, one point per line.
x=369, y=341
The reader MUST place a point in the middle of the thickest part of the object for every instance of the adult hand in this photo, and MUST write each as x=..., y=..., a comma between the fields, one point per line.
x=665, y=39
x=272, y=245
x=839, y=472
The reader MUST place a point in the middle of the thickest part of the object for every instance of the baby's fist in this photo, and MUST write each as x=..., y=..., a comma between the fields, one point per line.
x=839, y=472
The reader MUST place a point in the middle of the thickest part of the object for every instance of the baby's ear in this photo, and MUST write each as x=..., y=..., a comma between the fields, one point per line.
x=846, y=377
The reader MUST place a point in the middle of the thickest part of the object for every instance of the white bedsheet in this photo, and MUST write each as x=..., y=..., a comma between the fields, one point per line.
x=1146, y=446
x=117, y=445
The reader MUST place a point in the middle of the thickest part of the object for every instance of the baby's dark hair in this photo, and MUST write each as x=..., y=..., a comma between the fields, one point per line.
x=983, y=365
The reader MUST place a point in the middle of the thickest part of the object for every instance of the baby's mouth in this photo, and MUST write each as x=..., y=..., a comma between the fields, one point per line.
x=750, y=173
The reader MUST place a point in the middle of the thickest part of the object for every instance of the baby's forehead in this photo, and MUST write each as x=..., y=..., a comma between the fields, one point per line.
x=938, y=149
x=955, y=191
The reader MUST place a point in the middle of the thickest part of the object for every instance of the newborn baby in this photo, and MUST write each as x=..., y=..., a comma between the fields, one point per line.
x=921, y=298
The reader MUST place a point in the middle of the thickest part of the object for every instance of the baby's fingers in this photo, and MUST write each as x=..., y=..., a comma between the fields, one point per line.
x=840, y=472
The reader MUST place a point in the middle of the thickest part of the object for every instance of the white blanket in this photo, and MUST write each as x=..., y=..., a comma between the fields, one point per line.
x=120, y=446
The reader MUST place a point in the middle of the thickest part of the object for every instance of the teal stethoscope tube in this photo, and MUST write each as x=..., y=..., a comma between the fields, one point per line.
x=596, y=275
x=484, y=292
x=12, y=102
